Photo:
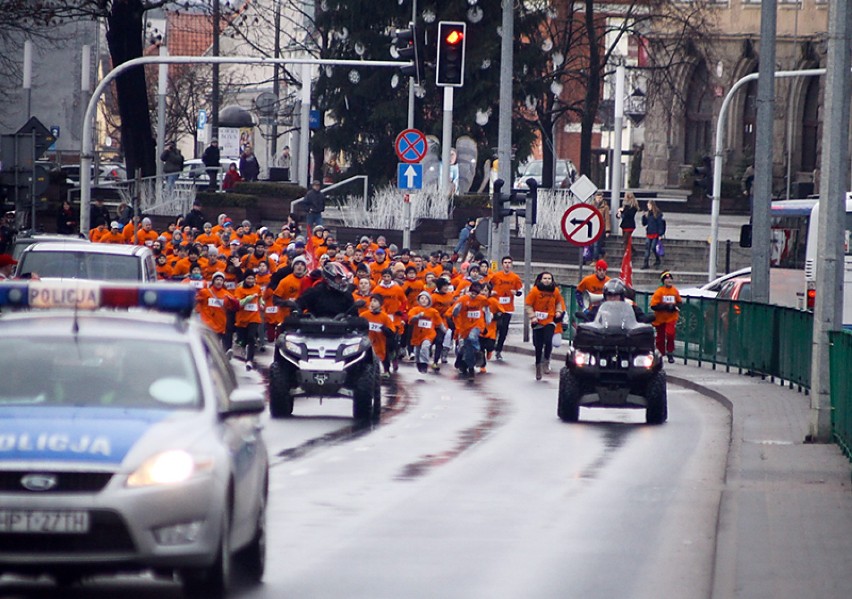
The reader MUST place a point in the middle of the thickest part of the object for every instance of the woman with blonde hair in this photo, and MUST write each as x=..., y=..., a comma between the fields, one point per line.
x=627, y=214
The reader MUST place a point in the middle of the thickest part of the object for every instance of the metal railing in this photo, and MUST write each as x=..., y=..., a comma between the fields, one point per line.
x=296, y=204
x=840, y=357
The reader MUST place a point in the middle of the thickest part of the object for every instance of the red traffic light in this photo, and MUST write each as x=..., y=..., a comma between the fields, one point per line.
x=455, y=36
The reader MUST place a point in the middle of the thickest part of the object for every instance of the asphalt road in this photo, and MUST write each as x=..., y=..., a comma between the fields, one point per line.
x=478, y=490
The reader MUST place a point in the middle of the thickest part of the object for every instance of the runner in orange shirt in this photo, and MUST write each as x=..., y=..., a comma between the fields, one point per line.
x=211, y=304
x=442, y=300
x=424, y=322
x=248, y=317
x=544, y=306
x=666, y=303
x=471, y=314
x=506, y=285
x=381, y=328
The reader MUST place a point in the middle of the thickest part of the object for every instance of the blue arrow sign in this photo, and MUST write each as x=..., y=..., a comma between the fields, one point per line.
x=409, y=176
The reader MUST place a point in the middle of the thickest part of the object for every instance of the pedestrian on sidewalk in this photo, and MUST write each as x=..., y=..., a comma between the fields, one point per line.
x=666, y=303
x=655, y=228
x=544, y=306
x=314, y=205
x=627, y=214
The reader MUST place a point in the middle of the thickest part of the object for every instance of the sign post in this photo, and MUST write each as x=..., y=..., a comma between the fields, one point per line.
x=410, y=147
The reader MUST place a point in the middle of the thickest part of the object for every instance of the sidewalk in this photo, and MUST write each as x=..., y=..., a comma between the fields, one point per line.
x=785, y=519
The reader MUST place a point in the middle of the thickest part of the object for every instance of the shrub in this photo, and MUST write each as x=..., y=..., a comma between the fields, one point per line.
x=280, y=189
x=214, y=200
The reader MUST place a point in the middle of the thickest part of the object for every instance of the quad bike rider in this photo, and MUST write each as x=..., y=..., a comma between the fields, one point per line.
x=324, y=350
x=613, y=361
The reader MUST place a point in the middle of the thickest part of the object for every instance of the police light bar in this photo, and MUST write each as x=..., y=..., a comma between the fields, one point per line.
x=92, y=295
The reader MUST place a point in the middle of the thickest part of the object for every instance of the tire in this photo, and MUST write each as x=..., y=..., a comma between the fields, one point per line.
x=251, y=560
x=657, y=411
x=280, y=398
x=214, y=581
x=363, y=393
x=568, y=408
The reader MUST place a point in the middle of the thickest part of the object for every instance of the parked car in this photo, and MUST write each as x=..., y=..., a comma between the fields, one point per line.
x=712, y=288
x=195, y=172
x=566, y=174
x=690, y=312
x=110, y=173
x=721, y=320
x=22, y=243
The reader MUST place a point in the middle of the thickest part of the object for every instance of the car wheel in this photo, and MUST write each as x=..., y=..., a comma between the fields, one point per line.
x=214, y=581
x=657, y=410
x=252, y=559
x=568, y=408
x=363, y=393
x=280, y=398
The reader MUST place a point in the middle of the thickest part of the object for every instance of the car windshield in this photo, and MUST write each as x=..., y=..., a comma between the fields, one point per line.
x=81, y=265
x=78, y=371
x=615, y=314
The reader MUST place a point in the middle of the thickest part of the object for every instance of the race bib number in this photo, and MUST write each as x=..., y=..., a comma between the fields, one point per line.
x=272, y=310
x=474, y=314
x=230, y=284
x=424, y=323
x=215, y=302
x=250, y=307
x=542, y=315
x=198, y=284
x=376, y=327
x=149, y=243
x=505, y=300
x=668, y=299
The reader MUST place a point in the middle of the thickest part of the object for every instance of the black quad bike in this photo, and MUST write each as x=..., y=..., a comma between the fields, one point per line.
x=325, y=357
x=613, y=364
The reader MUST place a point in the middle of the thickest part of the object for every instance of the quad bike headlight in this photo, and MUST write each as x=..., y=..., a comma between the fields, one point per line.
x=350, y=350
x=644, y=361
x=582, y=358
x=296, y=349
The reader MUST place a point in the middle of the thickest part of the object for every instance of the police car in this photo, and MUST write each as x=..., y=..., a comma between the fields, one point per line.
x=125, y=443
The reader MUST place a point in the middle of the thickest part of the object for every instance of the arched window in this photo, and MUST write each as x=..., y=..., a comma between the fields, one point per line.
x=699, y=115
x=810, y=126
x=749, y=122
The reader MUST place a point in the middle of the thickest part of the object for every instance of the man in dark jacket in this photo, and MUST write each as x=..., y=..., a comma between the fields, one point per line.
x=195, y=218
x=211, y=157
x=314, y=204
x=98, y=213
x=172, y=160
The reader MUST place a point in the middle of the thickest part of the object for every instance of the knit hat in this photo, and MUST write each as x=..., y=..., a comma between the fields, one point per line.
x=425, y=294
x=601, y=264
x=218, y=274
x=666, y=275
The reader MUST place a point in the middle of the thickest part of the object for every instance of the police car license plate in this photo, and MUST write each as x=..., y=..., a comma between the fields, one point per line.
x=40, y=521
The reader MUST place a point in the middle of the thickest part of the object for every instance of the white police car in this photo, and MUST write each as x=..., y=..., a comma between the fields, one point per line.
x=125, y=443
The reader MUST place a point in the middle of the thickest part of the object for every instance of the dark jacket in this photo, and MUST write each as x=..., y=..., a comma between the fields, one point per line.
x=314, y=201
x=67, y=222
x=628, y=217
x=655, y=225
x=98, y=215
x=195, y=219
x=249, y=167
x=172, y=161
x=324, y=301
x=211, y=157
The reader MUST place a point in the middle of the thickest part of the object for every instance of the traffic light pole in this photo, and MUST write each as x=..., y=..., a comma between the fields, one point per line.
x=504, y=126
x=446, y=142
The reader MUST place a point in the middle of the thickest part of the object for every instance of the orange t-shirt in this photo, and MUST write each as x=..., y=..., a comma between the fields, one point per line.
x=377, y=336
x=250, y=310
x=424, y=323
x=211, y=304
x=504, y=285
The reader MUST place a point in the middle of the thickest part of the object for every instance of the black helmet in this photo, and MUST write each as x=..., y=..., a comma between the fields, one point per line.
x=336, y=276
x=614, y=287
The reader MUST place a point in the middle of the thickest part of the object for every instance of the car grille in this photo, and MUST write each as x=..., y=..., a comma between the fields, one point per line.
x=108, y=533
x=67, y=482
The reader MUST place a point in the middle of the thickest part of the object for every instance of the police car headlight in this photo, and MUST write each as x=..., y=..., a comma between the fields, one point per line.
x=350, y=350
x=168, y=468
x=644, y=361
x=583, y=359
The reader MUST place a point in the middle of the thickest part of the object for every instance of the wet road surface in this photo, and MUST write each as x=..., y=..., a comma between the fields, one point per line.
x=478, y=490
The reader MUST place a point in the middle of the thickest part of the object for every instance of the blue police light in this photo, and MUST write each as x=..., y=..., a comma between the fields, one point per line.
x=91, y=295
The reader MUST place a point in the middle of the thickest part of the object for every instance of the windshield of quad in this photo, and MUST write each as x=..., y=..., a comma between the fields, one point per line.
x=615, y=315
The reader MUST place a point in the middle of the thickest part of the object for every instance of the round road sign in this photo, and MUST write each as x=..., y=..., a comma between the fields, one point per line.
x=411, y=146
x=582, y=224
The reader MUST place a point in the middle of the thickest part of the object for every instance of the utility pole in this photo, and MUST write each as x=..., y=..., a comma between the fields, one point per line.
x=500, y=247
x=276, y=84
x=763, y=154
x=214, y=100
x=617, y=127
x=828, y=309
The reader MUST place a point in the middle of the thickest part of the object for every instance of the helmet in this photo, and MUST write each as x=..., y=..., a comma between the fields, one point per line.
x=336, y=276
x=614, y=287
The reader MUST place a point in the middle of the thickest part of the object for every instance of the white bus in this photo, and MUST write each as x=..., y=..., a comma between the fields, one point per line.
x=812, y=261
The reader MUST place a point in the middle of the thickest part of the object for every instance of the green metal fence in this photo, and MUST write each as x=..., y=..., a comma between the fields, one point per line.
x=840, y=357
x=763, y=339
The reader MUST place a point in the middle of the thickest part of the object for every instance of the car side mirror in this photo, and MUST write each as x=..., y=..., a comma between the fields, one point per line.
x=245, y=401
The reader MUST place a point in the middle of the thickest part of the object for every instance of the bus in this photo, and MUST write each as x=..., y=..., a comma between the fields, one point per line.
x=811, y=261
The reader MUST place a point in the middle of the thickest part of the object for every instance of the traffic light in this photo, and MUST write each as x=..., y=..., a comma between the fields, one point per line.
x=500, y=203
x=450, y=67
x=520, y=197
x=409, y=46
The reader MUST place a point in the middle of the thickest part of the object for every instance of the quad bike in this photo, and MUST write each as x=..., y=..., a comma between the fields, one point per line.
x=613, y=364
x=325, y=357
